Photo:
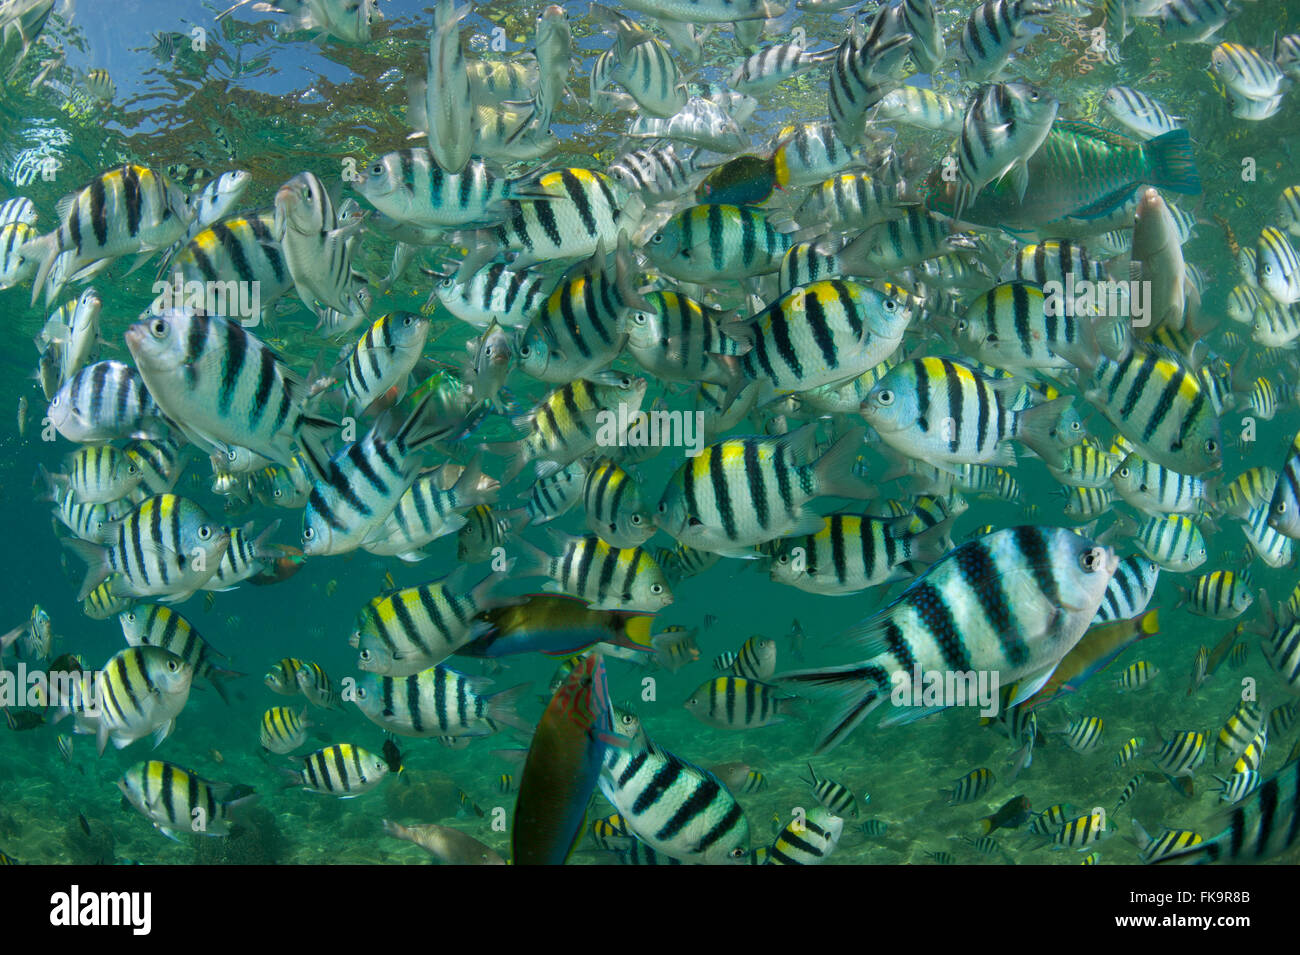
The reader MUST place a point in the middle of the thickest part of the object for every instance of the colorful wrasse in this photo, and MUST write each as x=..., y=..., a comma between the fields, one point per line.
x=562, y=767
x=1097, y=650
x=558, y=625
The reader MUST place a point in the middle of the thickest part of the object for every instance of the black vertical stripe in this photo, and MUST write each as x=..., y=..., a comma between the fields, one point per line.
x=98, y=216
x=132, y=198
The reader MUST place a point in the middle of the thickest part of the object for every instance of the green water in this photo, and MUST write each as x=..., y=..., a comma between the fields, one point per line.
x=288, y=104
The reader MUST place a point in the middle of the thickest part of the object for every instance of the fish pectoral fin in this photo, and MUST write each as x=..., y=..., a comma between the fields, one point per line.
x=1019, y=176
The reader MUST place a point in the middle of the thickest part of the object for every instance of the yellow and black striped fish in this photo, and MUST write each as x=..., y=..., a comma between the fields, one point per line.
x=129, y=208
x=342, y=770
x=708, y=243
x=1220, y=595
x=808, y=840
x=564, y=425
x=176, y=800
x=607, y=577
x=733, y=702
x=283, y=677
x=240, y=248
x=284, y=730
x=971, y=786
x=166, y=547
x=383, y=358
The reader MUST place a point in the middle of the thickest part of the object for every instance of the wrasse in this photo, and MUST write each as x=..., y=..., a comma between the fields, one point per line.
x=557, y=625
x=1097, y=650
x=562, y=767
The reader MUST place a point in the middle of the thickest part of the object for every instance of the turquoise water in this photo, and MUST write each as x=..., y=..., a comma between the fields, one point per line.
x=278, y=104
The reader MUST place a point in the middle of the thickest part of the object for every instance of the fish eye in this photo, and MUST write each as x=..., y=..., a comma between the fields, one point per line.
x=961, y=325
x=205, y=532
x=173, y=665
x=376, y=169
x=360, y=692
x=1279, y=507
x=446, y=283
x=641, y=318
x=628, y=719
x=663, y=507
x=1211, y=446
x=409, y=321
x=656, y=589
x=277, y=493
x=159, y=328
x=525, y=351
x=890, y=305
x=365, y=655
x=232, y=456
x=885, y=397
x=308, y=533
x=1123, y=472
x=658, y=239
x=737, y=853
x=636, y=520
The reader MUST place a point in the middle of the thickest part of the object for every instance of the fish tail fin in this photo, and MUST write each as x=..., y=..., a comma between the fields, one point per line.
x=1173, y=163
x=261, y=548
x=1038, y=426
x=311, y=439
x=624, y=266
x=219, y=677
x=472, y=490
x=534, y=562
x=932, y=543
x=835, y=477
x=426, y=424
x=97, y=566
x=515, y=452
x=48, y=484
x=485, y=595
x=502, y=707
x=861, y=689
